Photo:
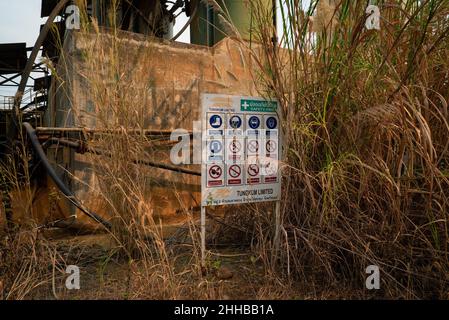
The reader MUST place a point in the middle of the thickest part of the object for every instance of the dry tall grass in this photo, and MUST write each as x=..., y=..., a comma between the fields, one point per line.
x=366, y=152
x=366, y=143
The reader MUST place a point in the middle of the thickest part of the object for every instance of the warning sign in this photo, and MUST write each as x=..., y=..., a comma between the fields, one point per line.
x=240, y=132
x=215, y=175
x=235, y=149
x=253, y=173
x=252, y=146
x=271, y=146
x=235, y=174
x=269, y=170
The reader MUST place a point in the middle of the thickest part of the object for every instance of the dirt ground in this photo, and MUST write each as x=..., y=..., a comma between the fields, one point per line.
x=232, y=273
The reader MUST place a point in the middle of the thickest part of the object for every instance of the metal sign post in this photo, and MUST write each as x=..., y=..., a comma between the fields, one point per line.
x=241, y=148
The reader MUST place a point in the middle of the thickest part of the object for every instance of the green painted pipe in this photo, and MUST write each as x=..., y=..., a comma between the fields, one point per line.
x=206, y=29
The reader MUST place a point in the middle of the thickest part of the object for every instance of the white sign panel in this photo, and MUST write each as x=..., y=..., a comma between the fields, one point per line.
x=241, y=150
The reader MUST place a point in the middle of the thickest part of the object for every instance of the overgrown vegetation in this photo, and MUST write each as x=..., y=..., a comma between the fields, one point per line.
x=366, y=136
x=365, y=170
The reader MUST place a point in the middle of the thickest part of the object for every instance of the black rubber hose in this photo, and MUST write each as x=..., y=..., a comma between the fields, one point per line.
x=52, y=173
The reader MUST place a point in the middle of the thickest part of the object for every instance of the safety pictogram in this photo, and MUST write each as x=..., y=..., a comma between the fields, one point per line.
x=253, y=173
x=216, y=121
x=253, y=146
x=235, y=122
x=271, y=146
x=215, y=149
x=235, y=173
x=269, y=170
x=254, y=122
x=235, y=146
x=271, y=122
x=215, y=175
x=215, y=172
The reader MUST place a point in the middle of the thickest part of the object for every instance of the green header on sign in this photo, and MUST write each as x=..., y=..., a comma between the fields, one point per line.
x=258, y=105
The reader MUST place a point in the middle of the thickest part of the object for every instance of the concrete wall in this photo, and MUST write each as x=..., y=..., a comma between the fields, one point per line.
x=165, y=83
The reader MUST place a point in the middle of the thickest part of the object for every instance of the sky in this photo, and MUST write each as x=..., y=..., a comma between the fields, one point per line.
x=20, y=22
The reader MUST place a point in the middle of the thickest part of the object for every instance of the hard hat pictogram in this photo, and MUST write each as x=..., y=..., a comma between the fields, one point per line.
x=235, y=122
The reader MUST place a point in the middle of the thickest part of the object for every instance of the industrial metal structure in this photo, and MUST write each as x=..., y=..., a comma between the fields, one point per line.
x=55, y=125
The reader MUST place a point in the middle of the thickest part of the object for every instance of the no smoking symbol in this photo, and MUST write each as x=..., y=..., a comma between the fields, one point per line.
x=235, y=146
x=235, y=171
x=253, y=170
x=253, y=146
x=271, y=146
x=215, y=172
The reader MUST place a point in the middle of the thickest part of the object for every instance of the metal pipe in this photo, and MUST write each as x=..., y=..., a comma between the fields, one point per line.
x=52, y=173
x=51, y=130
x=80, y=149
x=148, y=163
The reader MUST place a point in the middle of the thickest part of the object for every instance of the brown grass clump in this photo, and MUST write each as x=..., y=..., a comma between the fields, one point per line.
x=366, y=128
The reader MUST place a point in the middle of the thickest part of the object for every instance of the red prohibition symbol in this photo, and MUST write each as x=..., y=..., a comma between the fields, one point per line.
x=253, y=170
x=253, y=145
x=271, y=146
x=235, y=146
x=215, y=172
x=235, y=171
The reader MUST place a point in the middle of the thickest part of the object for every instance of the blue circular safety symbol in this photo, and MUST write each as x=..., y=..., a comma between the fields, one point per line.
x=235, y=122
x=215, y=121
x=215, y=146
x=254, y=122
x=272, y=123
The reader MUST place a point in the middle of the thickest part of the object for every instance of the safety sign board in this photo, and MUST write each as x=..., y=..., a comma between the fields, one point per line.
x=271, y=147
x=253, y=124
x=269, y=170
x=235, y=174
x=215, y=175
x=215, y=149
x=235, y=149
x=236, y=125
x=253, y=146
x=241, y=150
x=215, y=124
x=253, y=170
x=271, y=122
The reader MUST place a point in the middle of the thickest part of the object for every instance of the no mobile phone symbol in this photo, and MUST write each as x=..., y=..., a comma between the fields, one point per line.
x=235, y=122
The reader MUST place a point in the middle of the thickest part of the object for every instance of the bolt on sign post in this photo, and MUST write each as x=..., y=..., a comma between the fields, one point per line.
x=241, y=149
